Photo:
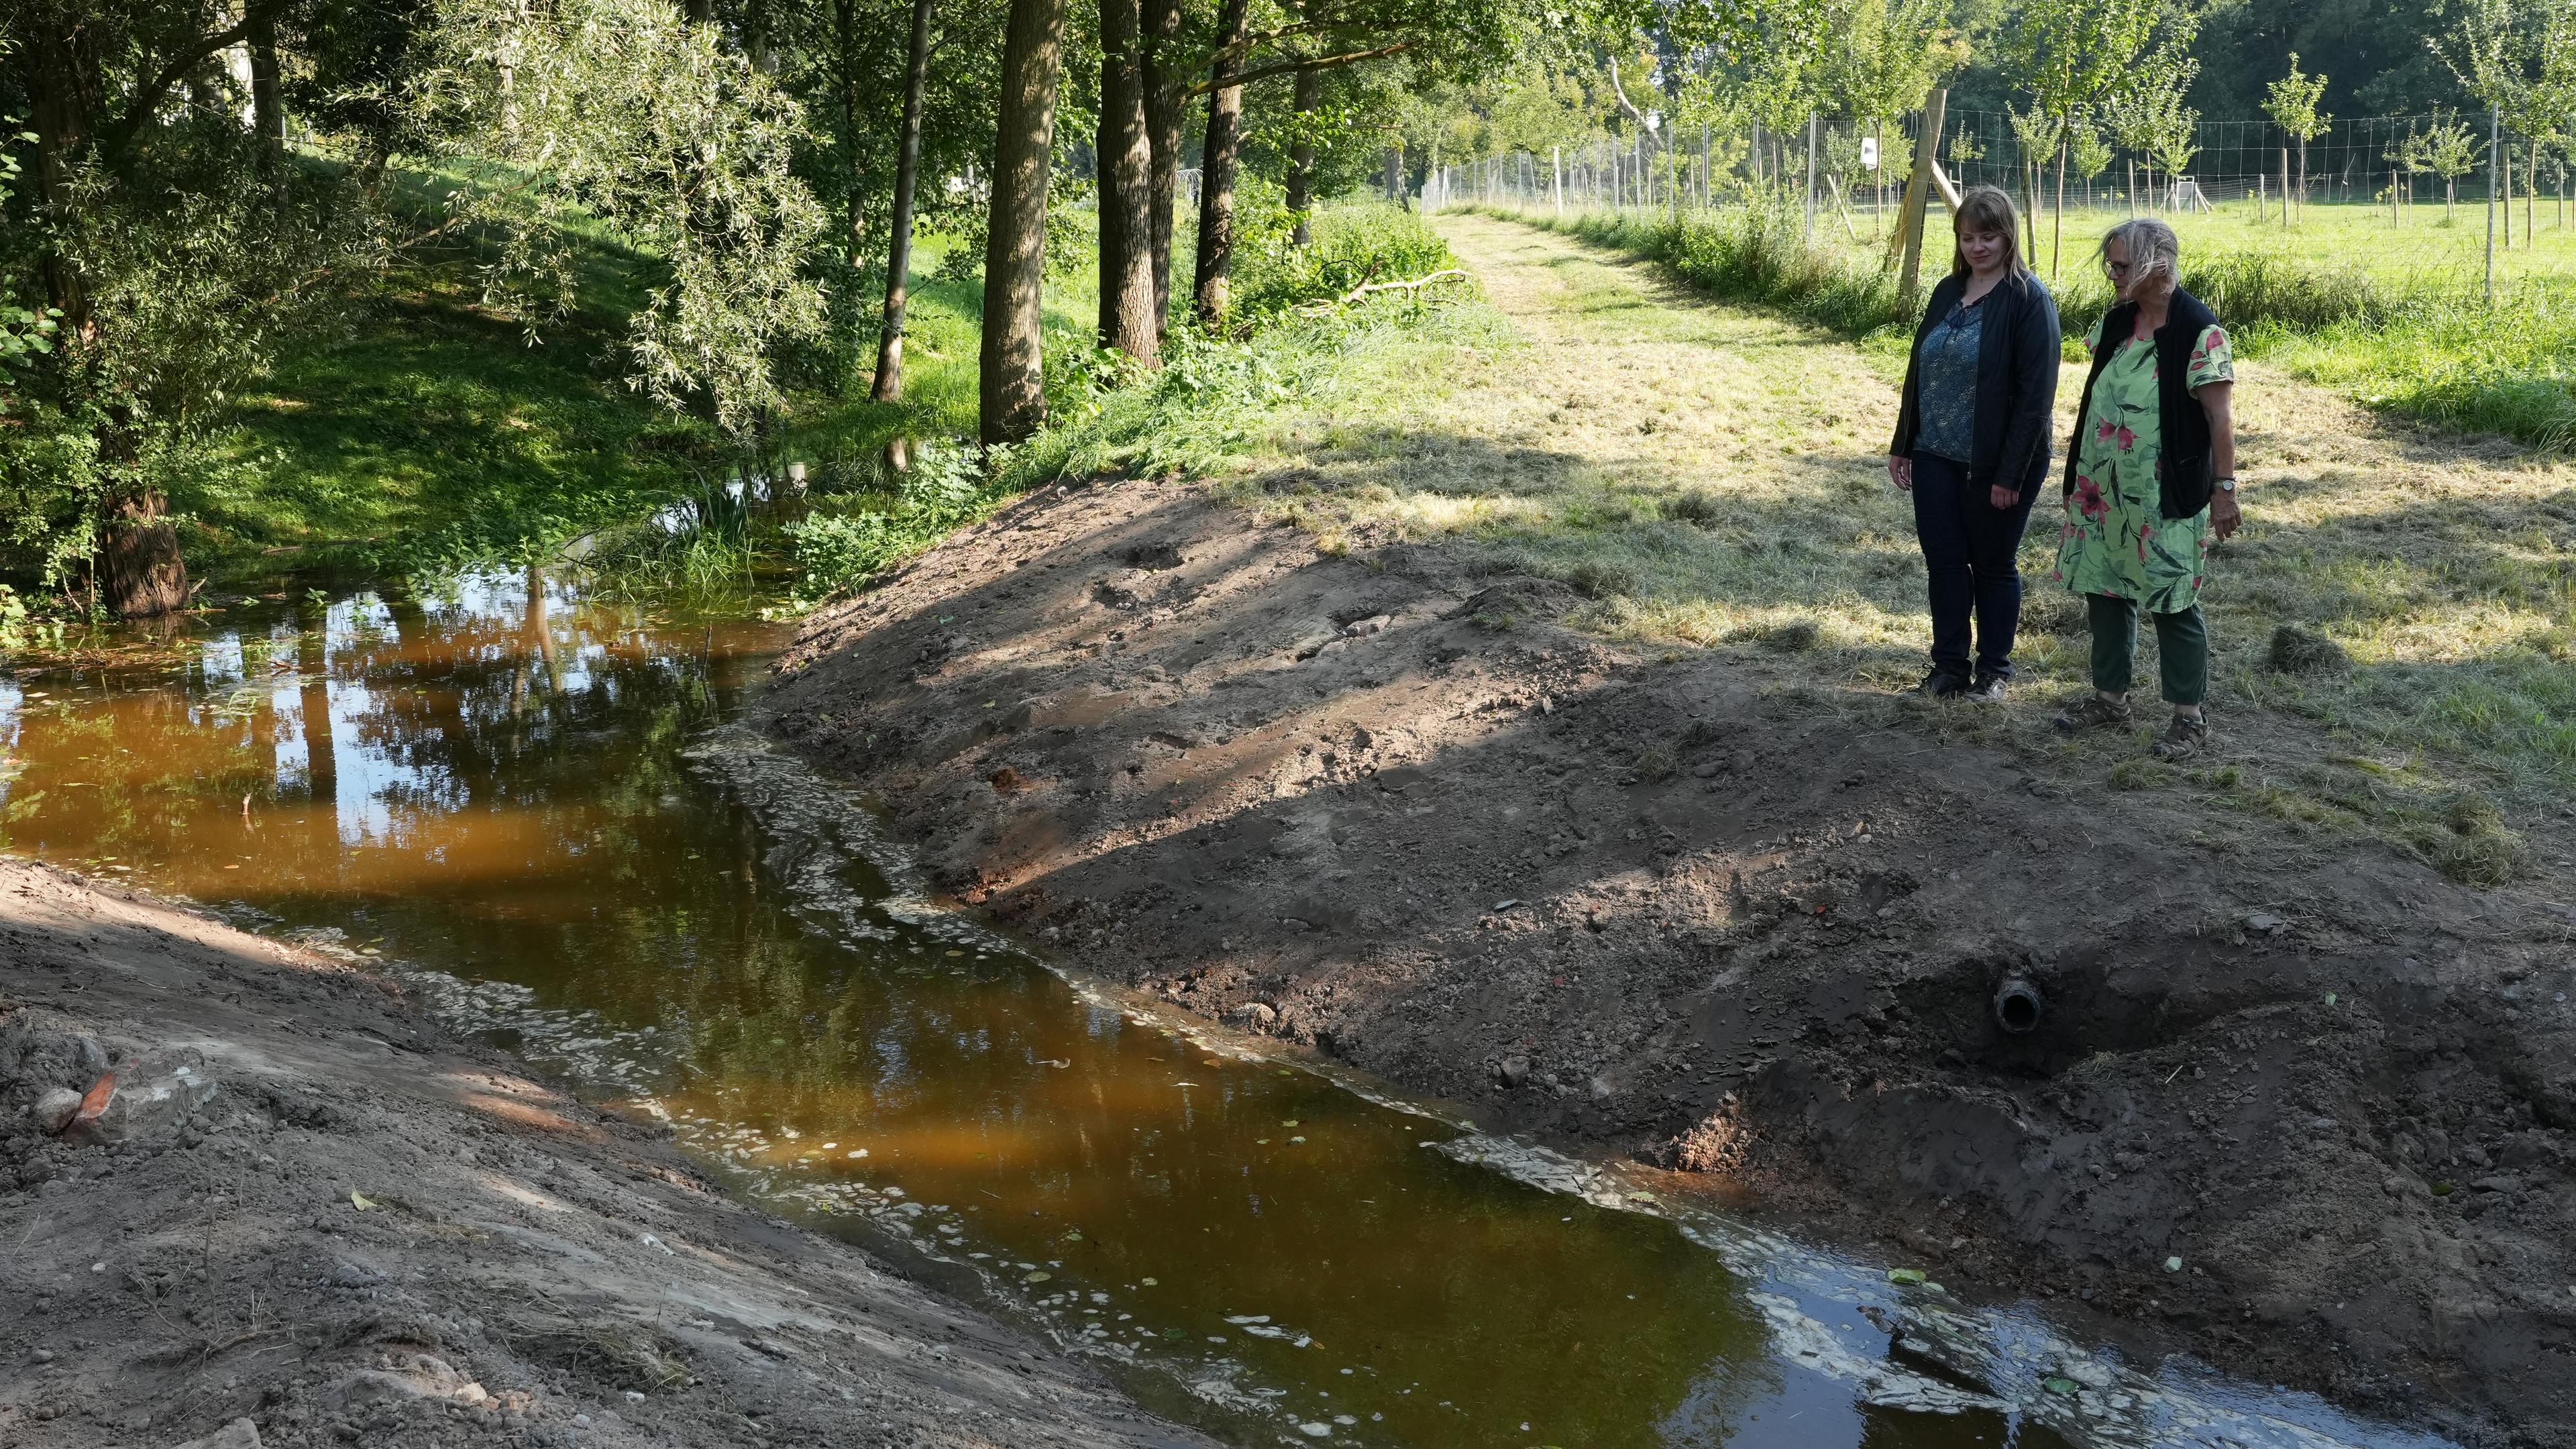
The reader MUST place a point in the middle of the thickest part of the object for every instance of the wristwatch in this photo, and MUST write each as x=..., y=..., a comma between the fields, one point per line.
x=2227, y=485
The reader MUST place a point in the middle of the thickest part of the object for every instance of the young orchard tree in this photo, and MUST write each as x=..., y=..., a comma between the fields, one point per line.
x=2518, y=57
x=2448, y=148
x=2076, y=57
x=2292, y=104
x=2088, y=155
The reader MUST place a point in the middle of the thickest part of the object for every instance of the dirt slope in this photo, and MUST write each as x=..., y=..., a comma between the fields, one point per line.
x=528, y=1272
x=1684, y=905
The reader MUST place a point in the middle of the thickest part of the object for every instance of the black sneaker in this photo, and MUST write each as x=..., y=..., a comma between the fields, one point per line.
x=1989, y=689
x=1941, y=684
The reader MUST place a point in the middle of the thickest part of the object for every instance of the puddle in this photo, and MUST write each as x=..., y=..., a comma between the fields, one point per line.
x=549, y=818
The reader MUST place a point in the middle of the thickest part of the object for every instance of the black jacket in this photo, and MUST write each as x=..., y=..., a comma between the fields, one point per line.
x=2017, y=347
x=2183, y=475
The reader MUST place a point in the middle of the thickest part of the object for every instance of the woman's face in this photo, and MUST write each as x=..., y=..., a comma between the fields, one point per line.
x=2127, y=279
x=1984, y=250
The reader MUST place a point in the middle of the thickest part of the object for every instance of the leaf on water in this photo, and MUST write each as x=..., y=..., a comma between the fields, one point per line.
x=1291, y=1122
x=1039, y=1276
x=1904, y=1275
x=1148, y=1282
x=1074, y=1237
x=2058, y=1386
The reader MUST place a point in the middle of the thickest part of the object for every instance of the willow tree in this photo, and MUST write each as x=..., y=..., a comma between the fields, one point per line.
x=623, y=114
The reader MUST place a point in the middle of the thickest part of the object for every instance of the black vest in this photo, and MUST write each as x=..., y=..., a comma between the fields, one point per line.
x=2183, y=473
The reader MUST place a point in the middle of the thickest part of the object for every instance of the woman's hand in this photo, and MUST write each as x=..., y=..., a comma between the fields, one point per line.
x=2224, y=516
x=2003, y=498
x=1900, y=471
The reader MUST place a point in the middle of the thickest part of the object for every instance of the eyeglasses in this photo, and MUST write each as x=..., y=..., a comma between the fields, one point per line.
x=2117, y=269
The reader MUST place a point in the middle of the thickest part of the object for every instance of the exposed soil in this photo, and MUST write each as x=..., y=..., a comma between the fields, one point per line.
x=369, y=1233
x=1689, y=907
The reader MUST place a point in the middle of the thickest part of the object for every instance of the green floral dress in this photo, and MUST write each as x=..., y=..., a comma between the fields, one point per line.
x=2117, y=539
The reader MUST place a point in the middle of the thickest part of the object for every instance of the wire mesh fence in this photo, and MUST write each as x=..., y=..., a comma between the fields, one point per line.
x=2367, y=160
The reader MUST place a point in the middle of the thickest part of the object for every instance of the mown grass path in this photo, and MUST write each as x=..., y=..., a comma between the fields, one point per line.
x=1712, y=476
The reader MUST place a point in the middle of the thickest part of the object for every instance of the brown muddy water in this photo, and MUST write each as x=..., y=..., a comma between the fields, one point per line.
x=546, y=814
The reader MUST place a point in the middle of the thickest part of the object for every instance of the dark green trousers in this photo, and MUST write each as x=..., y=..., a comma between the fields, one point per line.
x=2182, y=647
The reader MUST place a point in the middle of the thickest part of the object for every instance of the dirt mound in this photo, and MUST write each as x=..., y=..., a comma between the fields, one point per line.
x=2308, y=1113
x=283, y=1210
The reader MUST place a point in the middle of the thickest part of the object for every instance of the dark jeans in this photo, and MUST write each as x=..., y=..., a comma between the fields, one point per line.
x=1969, y=550
x=2182, y=648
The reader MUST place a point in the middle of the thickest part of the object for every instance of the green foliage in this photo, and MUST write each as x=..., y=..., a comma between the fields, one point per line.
x=837, y=547
x=2292, y=100
x=1353, y=243
x=623, y=113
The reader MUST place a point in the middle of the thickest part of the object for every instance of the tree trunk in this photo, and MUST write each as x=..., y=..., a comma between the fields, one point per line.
x=1309, y=94
x=845, y=28
x=1013, y=372
x=63, y=95
x=1166, y=112
x=2057, y=225
x=907, y=175
x=1217, y=163
x=268, y=113
x=1126, y=161
x=138, y=557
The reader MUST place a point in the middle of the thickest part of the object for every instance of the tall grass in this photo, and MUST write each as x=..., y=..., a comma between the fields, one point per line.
x=1756, y=252
x=2425, y=346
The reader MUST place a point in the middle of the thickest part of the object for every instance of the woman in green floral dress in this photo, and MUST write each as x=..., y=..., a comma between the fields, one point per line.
x=2150, y=482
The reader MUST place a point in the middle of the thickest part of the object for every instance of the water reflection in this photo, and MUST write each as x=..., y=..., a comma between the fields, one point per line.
x=518, y=789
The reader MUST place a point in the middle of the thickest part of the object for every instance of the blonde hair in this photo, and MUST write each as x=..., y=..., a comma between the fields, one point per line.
x=1987, y=208
x=2152, y=247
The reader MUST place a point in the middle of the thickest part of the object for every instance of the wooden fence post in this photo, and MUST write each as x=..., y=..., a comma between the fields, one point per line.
x=1918, y=189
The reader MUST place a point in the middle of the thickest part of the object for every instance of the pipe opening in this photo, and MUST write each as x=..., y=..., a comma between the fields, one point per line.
x=2017, y=1006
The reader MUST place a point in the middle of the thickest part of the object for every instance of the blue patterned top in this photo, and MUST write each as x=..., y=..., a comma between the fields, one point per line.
x=1946, y=383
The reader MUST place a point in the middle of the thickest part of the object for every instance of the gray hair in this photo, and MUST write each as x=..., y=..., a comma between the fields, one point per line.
x=2152, y=247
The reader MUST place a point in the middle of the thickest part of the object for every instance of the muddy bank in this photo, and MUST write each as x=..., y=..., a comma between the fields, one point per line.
x=304, y=1208
x=1706, y=910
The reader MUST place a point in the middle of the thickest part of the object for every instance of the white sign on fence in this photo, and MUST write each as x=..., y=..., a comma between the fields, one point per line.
x=1869, y=152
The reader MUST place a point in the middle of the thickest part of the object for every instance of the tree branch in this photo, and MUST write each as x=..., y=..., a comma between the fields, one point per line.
x=1365, y=289
x=1291, y=67
x=148, y=98
x=1630, y=107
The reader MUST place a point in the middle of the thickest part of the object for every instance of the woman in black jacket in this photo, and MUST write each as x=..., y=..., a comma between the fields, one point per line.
x=1972, y=441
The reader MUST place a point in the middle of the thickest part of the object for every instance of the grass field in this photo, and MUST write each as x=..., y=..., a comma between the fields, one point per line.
x=2394, y=318
x=1711, y=476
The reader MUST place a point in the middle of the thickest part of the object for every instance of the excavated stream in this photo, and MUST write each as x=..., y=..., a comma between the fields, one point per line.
x=544, y=812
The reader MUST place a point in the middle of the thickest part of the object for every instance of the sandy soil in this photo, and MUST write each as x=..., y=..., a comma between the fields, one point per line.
x=371, y=1234
x=1685, y=906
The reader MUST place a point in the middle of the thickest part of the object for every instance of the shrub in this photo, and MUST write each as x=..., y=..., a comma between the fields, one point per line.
x=1353, y=243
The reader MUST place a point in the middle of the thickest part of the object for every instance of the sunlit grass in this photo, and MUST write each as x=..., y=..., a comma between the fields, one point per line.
x=1711, y=476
